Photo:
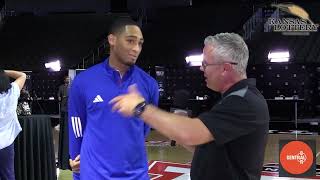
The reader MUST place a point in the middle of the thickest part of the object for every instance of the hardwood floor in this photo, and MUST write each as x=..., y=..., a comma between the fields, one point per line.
x=158, y=148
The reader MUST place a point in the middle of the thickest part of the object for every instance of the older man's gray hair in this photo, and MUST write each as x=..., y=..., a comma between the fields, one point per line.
x=230, y=47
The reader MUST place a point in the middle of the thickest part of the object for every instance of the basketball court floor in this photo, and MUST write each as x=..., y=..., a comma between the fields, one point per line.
x=168, y=162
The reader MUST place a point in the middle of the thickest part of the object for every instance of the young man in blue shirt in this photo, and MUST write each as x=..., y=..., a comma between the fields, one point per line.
x=109, y=145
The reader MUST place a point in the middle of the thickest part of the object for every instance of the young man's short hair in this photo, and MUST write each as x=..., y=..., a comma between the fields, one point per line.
x=119, y=24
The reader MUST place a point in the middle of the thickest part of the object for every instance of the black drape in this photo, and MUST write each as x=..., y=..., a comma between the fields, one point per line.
x=34, y=152
x=63, y=156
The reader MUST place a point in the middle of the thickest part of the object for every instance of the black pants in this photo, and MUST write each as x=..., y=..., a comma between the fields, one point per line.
x=63, y=154
x=7, y=163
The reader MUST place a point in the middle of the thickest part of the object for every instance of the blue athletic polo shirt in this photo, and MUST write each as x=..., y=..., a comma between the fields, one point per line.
x=111, y=146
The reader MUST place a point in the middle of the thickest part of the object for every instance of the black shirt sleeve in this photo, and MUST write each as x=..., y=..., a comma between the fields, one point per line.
x=229, y=119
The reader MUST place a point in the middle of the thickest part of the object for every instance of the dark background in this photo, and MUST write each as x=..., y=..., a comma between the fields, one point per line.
x=33, y=32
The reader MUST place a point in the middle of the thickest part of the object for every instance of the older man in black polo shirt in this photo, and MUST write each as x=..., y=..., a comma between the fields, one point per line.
x=229, y=140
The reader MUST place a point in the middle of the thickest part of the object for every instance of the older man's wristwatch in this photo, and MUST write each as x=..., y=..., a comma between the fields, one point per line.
x=138, y=110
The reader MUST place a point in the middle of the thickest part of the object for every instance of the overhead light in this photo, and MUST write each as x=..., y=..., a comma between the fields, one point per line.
x=194, y=60
x=54, y=65
x=279, y=56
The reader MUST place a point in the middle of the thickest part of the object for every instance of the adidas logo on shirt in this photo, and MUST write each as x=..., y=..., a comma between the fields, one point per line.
x=97, y=99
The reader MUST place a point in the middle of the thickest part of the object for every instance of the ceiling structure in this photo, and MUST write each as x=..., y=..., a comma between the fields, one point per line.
x=42, y=30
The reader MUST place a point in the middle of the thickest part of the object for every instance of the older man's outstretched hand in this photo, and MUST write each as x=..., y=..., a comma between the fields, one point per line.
x=125, y=104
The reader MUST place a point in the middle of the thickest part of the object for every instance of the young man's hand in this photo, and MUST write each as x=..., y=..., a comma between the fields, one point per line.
x=75, y=164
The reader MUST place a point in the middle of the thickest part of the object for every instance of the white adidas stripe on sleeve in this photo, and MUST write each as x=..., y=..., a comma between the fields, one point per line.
x=80, y=127
x=76, y=126
x=73, y=126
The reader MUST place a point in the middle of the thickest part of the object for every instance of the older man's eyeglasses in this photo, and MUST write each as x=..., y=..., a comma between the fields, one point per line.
x=205, y=64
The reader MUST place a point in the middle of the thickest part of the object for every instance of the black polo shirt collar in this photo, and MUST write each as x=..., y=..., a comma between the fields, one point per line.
x=240, y=85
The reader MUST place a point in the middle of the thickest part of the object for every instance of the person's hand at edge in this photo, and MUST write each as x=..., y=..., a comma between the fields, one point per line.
x=75, y=164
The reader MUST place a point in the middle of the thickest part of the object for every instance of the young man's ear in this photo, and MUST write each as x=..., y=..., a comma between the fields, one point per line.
x=111, y=39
